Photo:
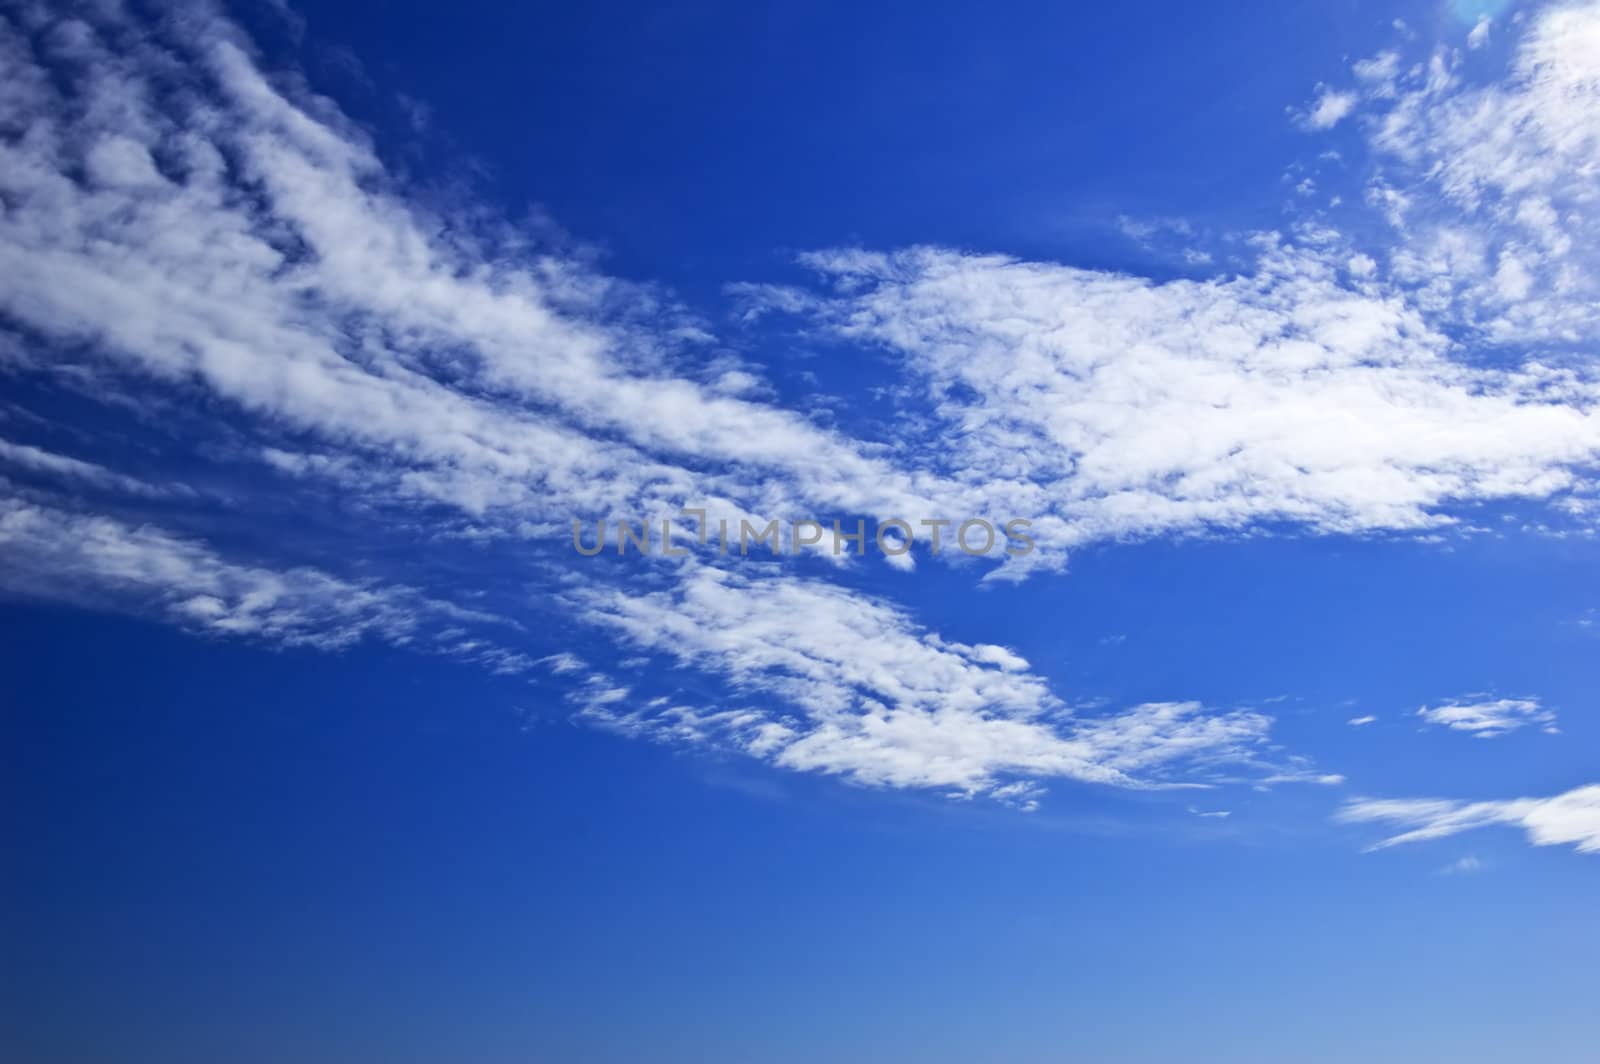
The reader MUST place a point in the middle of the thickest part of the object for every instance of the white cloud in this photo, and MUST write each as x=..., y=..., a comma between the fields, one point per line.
x=1107, y=406
x=1570, y=819
x=273, y=260
x=1489, y=718
x=998, y=656
x=1360, y=722
x=1462, y=866
x=1500, y=222
x=101, y=562
x=1330, y=109
x=1379, y=71
x=863, y=692
x=60, y=466
x=563, y=662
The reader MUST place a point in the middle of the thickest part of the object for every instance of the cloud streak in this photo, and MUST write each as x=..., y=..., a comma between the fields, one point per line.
x=1118, y=407
x=102, y=562
x=1490, y=718
x=874, y=698
x=1486, y=176
x=1569, y=819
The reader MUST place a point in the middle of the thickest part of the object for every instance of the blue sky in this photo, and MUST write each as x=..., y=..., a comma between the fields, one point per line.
x=1276, y=326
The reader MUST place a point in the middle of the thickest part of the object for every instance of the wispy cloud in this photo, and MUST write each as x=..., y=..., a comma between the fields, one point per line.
x=1486, y=174
x=1570, y=819
x=875, y=698
x=38, y=460
x=1330, y=109
x=99, y=561
x=1113, y=406
x=211, y=225
x=1490, y=718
